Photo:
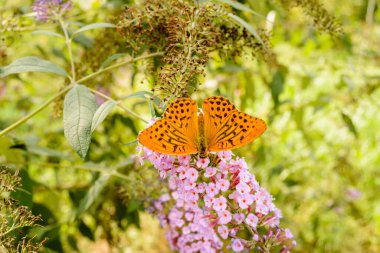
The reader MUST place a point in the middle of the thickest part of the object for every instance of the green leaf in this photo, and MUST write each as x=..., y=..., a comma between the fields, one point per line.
x=146, y=95
x=72, y=240
x=139, y=94
x=84, y=40
x=246, y=26
x=86, y=230
x=78, y=112
x=47, y=33
x=92, y=194
x=94, y=26
x=45, y=212
x=132, y=143
x=127, y=122
x=156, y=100
x=43, y=151
x=277, y=87
x=54, y=242
x=348, y=121
x=24, y=193
x=240, y=6
x=101, y=113
x=8, y=154
x=151, y=108
x=133, y=205
x=31, y=64
x=112, y=58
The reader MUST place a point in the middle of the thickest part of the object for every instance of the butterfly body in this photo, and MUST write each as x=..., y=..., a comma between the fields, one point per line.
x=183, y=130
x=202, y=140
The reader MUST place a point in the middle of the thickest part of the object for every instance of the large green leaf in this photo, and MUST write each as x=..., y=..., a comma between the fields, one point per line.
x=78, y=112
x=92, y=194
x=112, y=58
x=246, y=26
x=31, y=64
x=50, y=33
x=101, y=113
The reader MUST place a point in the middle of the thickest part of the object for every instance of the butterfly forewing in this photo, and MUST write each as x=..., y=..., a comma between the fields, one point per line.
x=176, y=133
x=227, y=128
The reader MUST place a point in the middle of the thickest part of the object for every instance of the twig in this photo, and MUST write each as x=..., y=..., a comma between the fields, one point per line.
x=118, y=103
x=37, y=110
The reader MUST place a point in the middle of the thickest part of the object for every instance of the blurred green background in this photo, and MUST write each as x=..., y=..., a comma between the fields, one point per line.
x=319, y=158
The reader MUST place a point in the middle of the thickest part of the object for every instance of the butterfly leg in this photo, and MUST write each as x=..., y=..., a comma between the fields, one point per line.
x=215, y=160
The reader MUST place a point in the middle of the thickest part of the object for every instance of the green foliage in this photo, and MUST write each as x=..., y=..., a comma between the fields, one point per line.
x=320, y=16
x=190, y=34
x=318, y=93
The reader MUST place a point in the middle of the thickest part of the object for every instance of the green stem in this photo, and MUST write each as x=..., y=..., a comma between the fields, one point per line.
x=249, y=229
x=68, y=43
x=119, y=175
x=37, y=110
x=118, y=103
x=118, y=65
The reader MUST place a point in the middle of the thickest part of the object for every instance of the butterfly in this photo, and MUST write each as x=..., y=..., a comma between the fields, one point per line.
x=184, y=130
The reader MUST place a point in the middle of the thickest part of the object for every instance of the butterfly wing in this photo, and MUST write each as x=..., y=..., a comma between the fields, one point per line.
x=226, y=128
x=176, y=133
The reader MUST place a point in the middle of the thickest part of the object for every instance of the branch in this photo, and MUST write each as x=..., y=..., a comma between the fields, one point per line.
x=67, y=88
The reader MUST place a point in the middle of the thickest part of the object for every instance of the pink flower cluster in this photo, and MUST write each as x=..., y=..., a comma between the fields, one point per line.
x=215, y=204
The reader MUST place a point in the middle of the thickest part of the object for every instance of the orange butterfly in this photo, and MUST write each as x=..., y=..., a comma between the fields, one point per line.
x=183, y=130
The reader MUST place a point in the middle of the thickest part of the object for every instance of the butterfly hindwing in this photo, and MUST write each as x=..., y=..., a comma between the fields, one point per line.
x=176, y=133
x=227, y=128
x=239, y=130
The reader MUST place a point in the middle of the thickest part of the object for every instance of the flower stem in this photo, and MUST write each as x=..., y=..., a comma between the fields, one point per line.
x=118, y=65
x=68, y=43
x=249, y=229
x=118, y=103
